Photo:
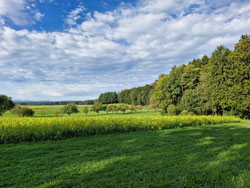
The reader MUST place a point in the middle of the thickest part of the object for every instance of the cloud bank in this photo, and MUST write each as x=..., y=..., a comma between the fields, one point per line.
x=127, y=47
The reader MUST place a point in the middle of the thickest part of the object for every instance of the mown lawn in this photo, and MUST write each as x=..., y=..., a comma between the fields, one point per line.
x=209, y=156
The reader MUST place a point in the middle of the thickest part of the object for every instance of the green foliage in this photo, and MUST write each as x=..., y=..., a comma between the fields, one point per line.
x=162, y=95
x=219, y=81
x=124, y=96
x=204, y=93
x=116, y=108
x=110, y=108
x=216, y=85
x=85, y=110
x=173, y=110
x=108, y=98
x=190, y=101
x=190, y=77
x=139, y=107
x=124, y=107
x=132, y=108
x=240, y=89
x=168, y=89
x=6, y=103
x=22, y=111
x=186, y=113
x=70, y=109
x=174, y=87
x=136, y=96
x=97, y=107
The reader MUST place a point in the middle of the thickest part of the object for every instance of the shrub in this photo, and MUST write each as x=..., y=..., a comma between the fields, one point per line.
x=22, y=111
x=85, y=110
x=97, y=107
x=186, y=113
x=70, y=109
x=139, y=107
x=173, y=110
x=132, y=108
x=110, y=108
x=124, y=107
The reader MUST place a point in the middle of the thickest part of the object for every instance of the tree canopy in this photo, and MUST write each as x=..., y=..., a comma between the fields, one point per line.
x=136, y=96
x=108, y=98
x=6, y=103
x=22, y=111
x=70, y=109
x=216, y=85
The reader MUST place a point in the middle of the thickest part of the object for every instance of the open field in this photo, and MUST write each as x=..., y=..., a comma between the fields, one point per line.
x=206, y=156
x=52, y=111
x=13, y=130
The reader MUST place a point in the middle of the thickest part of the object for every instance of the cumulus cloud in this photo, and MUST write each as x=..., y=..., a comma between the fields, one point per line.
x=19, y=11
x=127, y=47
x=75, y=15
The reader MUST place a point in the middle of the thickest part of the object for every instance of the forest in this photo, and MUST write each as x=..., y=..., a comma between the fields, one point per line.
x=215, y=85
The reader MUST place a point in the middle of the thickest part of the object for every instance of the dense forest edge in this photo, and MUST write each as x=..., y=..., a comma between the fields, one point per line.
x=215, y=85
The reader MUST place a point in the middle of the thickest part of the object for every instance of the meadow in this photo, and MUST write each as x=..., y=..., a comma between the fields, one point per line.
x=203, y=156
x=54, y=110
x=142, y=149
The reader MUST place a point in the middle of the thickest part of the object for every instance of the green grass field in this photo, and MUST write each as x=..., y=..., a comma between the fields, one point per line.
x=51, y=111
x=207, y=156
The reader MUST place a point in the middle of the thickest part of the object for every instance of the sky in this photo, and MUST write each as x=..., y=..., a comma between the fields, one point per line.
x=75, y=50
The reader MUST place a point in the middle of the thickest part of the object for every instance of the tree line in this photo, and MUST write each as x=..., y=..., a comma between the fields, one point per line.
x=97, y=107
x=219, y=85
x=135, y=96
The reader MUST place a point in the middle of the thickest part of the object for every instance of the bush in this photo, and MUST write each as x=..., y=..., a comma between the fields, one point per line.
x=132, y=108
x=70, y=109
x=186, y=113
x=139, y=107
x=110, y=108
x=85, y=110
x=124, y=107
x=97, y=107
x=173, y=110
x=22, y=111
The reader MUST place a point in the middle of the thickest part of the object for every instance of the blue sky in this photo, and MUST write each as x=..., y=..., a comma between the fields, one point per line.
x=75, y=50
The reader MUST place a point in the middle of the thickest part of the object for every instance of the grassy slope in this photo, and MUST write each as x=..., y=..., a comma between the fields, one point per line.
x=210, y=156
x=51, y=111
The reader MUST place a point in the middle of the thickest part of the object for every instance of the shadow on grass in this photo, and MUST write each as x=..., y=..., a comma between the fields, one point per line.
x=212, y=156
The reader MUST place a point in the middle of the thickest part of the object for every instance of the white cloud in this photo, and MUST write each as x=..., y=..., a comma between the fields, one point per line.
x=127, y=47
x=38, y=16
x=75, y=15
x=19, y=12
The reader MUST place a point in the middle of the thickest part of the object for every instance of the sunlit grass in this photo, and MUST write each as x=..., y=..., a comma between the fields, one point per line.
x=204, y=156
